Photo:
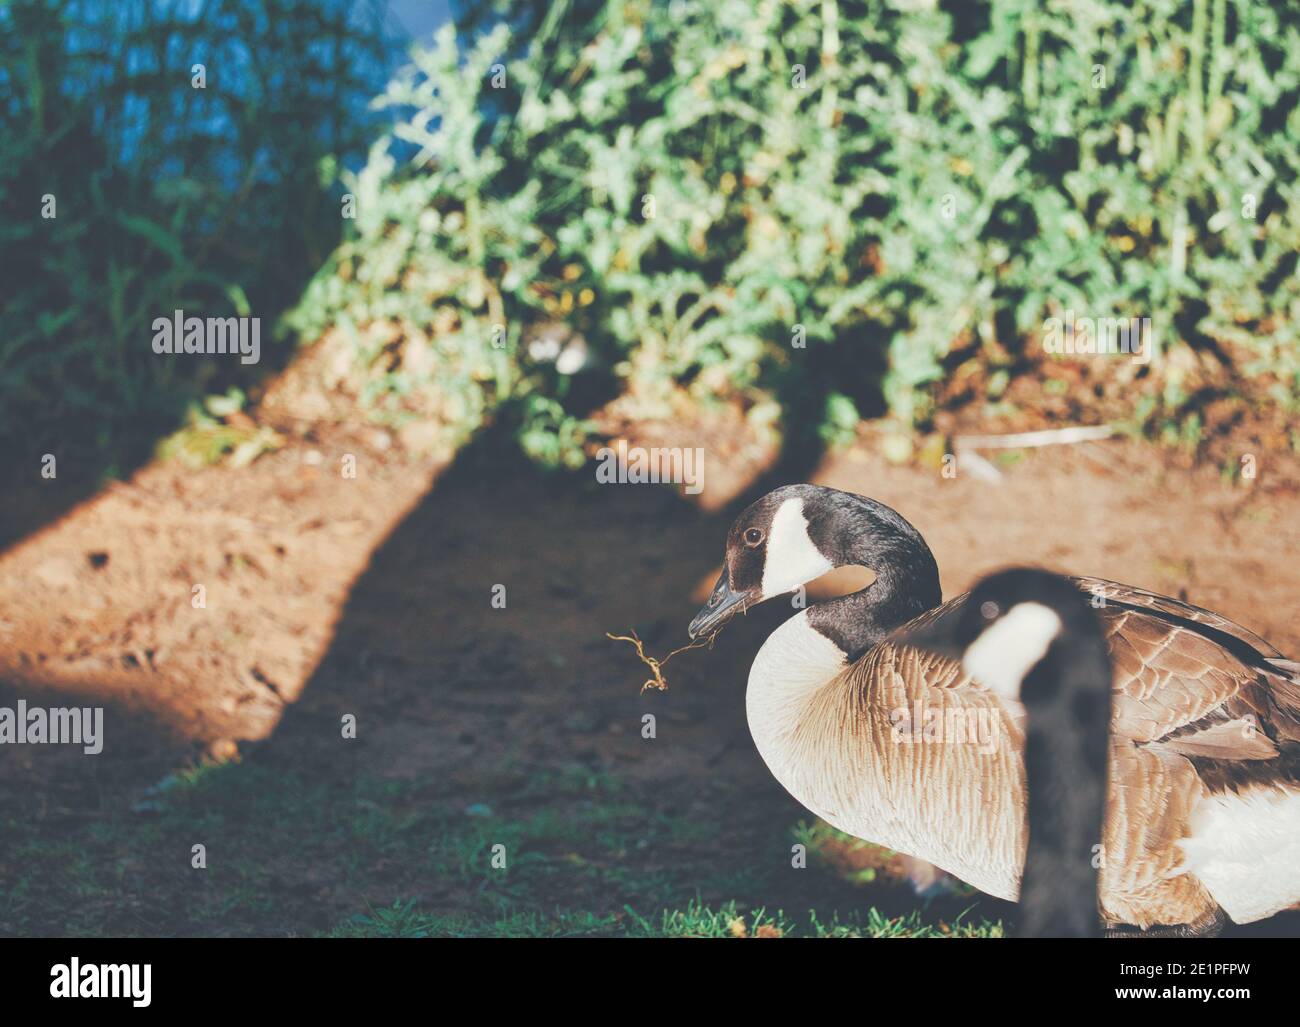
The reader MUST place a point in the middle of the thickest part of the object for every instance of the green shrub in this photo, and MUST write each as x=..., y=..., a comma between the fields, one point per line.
x=694, y=184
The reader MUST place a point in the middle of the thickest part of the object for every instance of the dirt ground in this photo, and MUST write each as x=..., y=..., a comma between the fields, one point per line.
x=327, y=596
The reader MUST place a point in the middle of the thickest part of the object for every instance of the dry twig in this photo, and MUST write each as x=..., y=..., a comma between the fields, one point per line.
x=656, y=666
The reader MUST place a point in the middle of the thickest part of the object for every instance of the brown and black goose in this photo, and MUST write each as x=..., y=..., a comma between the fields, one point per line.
x=921, y=753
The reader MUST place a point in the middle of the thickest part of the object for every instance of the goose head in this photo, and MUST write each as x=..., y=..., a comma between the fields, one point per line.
x=797, y=533
x=1013, y=628
x=770, y=550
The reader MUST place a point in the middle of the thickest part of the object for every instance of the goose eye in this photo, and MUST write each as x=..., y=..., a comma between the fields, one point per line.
x=753, y=536
x=989, y=610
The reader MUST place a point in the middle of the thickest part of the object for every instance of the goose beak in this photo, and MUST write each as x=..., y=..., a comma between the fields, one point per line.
x=723, y=604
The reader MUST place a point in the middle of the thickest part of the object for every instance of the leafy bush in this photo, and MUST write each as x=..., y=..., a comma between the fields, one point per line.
x=698, y=186
x=165, y=195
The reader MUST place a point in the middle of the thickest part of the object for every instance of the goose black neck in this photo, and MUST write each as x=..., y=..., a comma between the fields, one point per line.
x=1067, y=704
x=856, y=531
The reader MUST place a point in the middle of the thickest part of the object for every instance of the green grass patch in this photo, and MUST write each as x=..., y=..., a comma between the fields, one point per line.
x=292, y=852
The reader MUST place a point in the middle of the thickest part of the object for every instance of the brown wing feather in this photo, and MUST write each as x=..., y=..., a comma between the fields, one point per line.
x=1173, y=681
x=1190, y=707
x=1132, y=596
x=1166, y=676
x=1186, y=693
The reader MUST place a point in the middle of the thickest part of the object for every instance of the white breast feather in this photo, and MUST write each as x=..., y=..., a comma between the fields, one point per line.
x=1245, y=848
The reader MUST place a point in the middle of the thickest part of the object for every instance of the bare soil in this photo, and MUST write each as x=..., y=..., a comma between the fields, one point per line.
x=328, y=595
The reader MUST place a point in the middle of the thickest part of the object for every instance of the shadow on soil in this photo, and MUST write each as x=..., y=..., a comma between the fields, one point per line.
x=499, y=780
x=481, y=731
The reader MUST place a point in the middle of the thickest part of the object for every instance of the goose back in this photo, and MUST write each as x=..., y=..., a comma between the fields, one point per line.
x=1204, y=750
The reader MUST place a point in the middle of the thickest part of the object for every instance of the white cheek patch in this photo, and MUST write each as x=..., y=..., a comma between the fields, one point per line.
x=791, y=559
x=1001, y=657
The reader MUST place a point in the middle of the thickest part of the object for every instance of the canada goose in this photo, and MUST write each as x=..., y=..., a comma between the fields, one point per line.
x=1203, y=813
x=1066, y=695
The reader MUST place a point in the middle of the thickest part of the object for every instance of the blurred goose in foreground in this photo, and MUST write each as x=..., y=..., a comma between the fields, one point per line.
x=1066, y=696
x=916, y=752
